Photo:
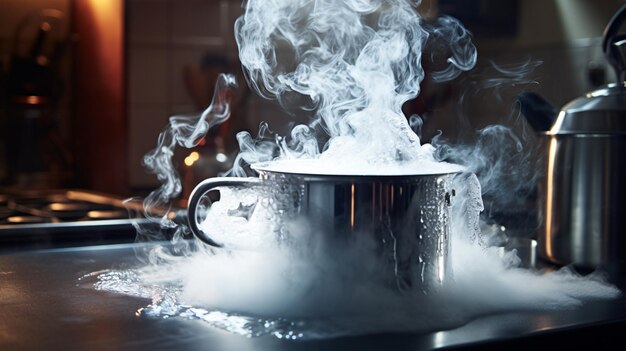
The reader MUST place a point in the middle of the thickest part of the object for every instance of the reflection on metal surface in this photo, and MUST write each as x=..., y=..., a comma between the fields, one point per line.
x=94, y=197
x=103, y=199
x=352, y=201
x=584, y=202
x=543, y=322
x=549, y=200
x=67, y=304
x=411, y=234
x=106, y=214
x=441, y=268
x=439, y=339
x=64, y=206
x=53, y=218
x=25, y=219
x=56, y=198
x=533, y=253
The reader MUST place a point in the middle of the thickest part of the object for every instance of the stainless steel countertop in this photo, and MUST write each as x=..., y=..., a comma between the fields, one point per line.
x=43, y=306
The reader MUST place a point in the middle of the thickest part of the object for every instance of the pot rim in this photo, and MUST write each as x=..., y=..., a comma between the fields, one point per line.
x=272, y=167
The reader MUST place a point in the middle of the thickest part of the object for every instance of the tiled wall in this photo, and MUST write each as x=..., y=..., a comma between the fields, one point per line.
x=163, y=36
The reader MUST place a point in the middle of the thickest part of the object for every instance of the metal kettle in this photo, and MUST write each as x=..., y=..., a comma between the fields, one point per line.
x=582, y=197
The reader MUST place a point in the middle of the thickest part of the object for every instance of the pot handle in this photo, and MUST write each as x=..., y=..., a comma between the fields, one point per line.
x=202, y=189
x=614, y=45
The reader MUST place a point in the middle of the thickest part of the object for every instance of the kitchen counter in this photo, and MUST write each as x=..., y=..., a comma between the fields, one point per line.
x=44, y=307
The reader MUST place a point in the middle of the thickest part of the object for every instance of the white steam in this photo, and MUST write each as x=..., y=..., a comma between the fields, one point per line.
x=353, y=63
x=294, y=287
x=502, y=155
x=185, y=131
x=450, y=38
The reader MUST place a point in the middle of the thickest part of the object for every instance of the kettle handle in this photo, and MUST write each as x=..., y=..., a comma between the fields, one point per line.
x=610, y=38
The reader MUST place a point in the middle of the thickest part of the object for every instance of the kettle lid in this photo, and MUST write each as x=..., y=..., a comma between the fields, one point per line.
x=602, y=111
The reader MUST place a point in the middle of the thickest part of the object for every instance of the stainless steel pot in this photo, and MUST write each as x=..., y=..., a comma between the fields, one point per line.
x=582, y=195
x=407, y=217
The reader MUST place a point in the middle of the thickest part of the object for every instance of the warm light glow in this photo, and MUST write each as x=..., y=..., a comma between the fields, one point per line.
x=24, y=219
x=105, y=8
x=550, y=198
x=192, y=158
x=56, y=207
x=16, y=219
x=105, y=17
x=558, y=124
x=99, y=64
x=105, y=214
x=95, y=198
x=60, y=206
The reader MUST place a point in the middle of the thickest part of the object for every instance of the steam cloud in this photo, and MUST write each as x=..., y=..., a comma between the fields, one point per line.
x=502, y=155
x=185, y=131
x=353, y=63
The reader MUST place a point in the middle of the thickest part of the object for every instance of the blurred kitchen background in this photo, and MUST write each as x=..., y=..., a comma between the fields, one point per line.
x=87, y=85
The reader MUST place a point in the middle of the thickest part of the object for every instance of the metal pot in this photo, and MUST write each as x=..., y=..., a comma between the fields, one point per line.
x=407, y=217
x=582, y=194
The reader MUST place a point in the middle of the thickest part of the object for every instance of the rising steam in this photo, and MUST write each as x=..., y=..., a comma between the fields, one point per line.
x=355, y=63
x=352, y=63
x=185, y=131
x=502, y=155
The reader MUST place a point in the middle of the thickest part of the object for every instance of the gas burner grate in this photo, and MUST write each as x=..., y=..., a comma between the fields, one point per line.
x=62, y=218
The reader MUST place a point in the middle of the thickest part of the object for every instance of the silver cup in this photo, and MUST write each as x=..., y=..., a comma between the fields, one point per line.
x=405, y=217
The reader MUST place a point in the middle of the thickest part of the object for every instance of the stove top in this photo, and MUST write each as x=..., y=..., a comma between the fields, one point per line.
x=60, y=218
x=41, y=287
